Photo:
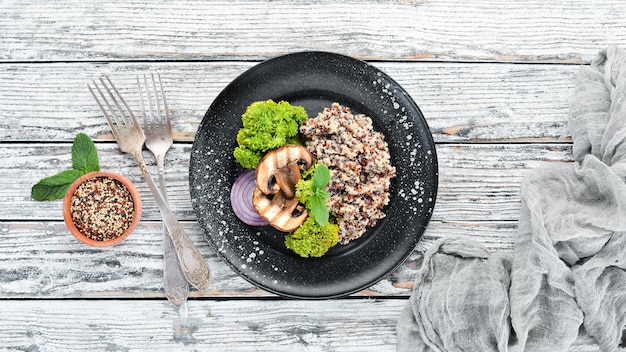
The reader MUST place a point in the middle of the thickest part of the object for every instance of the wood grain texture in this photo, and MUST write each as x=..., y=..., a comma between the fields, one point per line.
x=461, y=102
x=477, y=182
x=43, y=260
x=441, y=30
x=285, y=325
x=493, y=79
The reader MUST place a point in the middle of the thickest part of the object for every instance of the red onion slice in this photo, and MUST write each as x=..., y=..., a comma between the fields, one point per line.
x=241, y=199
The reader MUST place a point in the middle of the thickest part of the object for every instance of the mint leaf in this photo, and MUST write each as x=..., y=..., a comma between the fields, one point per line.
x=319, y=210
x=322, y=194
x=318, y=197
x=321, y=177
x=54, y=187
x=84, y=154
x=84, y=160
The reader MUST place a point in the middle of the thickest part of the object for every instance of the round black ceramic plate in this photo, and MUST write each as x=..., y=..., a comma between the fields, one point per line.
x=315, y=80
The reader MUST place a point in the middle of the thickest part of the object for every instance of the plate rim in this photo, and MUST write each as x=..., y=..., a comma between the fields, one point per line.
x=418, y=232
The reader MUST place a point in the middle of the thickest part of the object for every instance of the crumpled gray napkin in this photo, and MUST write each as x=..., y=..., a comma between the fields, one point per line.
x=568, y=269
x=460, y=301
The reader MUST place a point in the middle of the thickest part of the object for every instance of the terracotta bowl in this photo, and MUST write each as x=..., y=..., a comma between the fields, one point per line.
x=74, y=229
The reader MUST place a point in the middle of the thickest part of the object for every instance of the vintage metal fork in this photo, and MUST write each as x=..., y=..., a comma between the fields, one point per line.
x=158, y=131
x=130, y=139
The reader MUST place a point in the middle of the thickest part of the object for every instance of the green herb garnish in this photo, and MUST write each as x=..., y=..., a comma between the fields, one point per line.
x=84, y=160
x=267, y=125
x=84, y=154
x=311, y=193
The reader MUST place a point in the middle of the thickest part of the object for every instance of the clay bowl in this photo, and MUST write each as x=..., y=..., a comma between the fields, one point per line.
x=98, y=206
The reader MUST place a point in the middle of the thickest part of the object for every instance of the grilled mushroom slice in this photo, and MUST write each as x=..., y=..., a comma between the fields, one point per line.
x=284, y=214
x=280, y=169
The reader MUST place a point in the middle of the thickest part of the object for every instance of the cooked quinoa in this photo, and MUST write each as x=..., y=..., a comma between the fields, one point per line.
x=359, y=162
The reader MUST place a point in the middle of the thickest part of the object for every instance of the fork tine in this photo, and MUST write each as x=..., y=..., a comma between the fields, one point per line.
x=149, y=123
x=109, y=116
x=156, y=98
x=128, y=117
x=157, y=114
x=143, y=107
x=149, y=97
x=167, y=113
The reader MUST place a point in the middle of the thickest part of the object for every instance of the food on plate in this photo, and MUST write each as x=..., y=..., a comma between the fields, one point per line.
x=276, y=178
x=318, y=233
x=323, y=193
x=280, y=169
x=284, y=214
x=267, y=125
x=312, y=239
x=241, y=199
x=360, y=164
x=310, y=191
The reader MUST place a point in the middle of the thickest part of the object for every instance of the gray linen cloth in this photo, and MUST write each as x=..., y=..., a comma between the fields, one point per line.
x=567, y=271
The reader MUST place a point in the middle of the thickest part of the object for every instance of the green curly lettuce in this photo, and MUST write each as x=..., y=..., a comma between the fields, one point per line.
x=267, y=125
x=311, y=239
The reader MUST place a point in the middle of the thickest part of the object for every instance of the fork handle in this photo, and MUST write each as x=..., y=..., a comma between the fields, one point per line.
x=175, y=283
x=194, y=266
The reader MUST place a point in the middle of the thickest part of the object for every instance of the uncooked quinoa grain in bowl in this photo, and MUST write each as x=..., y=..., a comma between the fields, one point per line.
x=102, y=208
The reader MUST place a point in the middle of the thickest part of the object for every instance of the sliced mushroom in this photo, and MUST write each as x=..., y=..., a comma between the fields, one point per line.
x=286, y=179
x=280, y=169
x=284, y=214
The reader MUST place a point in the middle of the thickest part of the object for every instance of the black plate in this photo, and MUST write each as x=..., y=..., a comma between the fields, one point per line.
x=314, y=80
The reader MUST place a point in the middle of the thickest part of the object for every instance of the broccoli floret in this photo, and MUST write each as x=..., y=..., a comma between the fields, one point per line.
x=304, y=186
x=311, y=239
x=247, y=158
x=304, y=191
x=267, y=125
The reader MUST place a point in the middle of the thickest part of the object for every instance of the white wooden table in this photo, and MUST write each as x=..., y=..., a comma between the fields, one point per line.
x=493, y=79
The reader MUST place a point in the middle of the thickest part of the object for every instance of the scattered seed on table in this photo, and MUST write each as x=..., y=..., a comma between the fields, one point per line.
x=102, y=208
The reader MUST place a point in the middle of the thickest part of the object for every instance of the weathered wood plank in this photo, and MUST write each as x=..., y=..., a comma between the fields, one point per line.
x=445, y=53
x=284, y=325
x=43, y=260
x=477, y=182
x=482, y=181
x=520, y=31
x=461, y=102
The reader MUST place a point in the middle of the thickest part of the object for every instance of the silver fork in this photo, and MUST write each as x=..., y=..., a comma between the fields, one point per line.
x=130, y=139
x=158, y=131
